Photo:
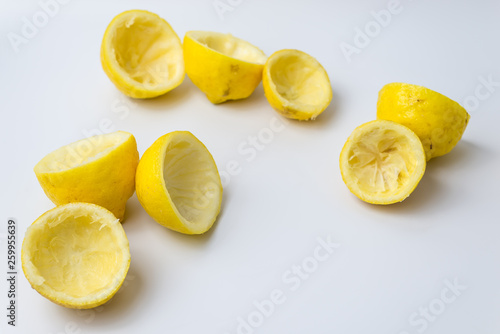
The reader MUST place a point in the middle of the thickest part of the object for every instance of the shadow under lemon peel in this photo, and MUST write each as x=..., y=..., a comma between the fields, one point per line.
x=132, y=209
x=170, y=99
x=430, y=189
x=464, y=152
x=195, y=240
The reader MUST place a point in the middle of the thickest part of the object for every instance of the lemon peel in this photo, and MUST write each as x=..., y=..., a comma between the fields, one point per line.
x=382, y=162
x=178, y=184
x=222, y=66
x=437, y=120
x=99, y=170
x=142, y=55
x=76, y=255
x=296, y=85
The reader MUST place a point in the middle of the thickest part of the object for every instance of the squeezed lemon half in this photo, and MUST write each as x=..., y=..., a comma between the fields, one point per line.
x=76, y=255
x=296, y=85
x=178, y=184
x=99, y=170
x=382, y=162
x=222, y=66
x=142, y=54
x=438, y=121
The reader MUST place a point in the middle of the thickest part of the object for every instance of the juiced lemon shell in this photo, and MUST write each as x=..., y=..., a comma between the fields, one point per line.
x=142, y=55
x=296, y=85
x=178, y=184
x=99, y=170
x=76, y=255
x=222, y=66
x=382, y=162
x=438, y=121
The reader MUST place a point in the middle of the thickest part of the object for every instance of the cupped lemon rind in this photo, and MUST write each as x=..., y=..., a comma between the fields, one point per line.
x=291, y=109
x=54, y=216
x=120, y=78
x=105, y=178
x=415, y=157
x=218, y=73
x=438, y=121
x=154, y=195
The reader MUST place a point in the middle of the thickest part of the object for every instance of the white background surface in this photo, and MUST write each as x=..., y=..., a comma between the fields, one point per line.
x=392, y=260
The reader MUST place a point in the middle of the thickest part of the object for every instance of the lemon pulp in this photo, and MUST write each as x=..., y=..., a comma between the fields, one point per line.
x=376, y=167
x=144, y=50
x=297, y=81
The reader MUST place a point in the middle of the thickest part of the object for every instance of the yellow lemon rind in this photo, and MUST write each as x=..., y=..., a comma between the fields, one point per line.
x=107, y=179
x=289, y=109
x=437, y=120
x=120, y=77
x=221, y=77
x=152, y=191
x=417, y=154
x=90, y=301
